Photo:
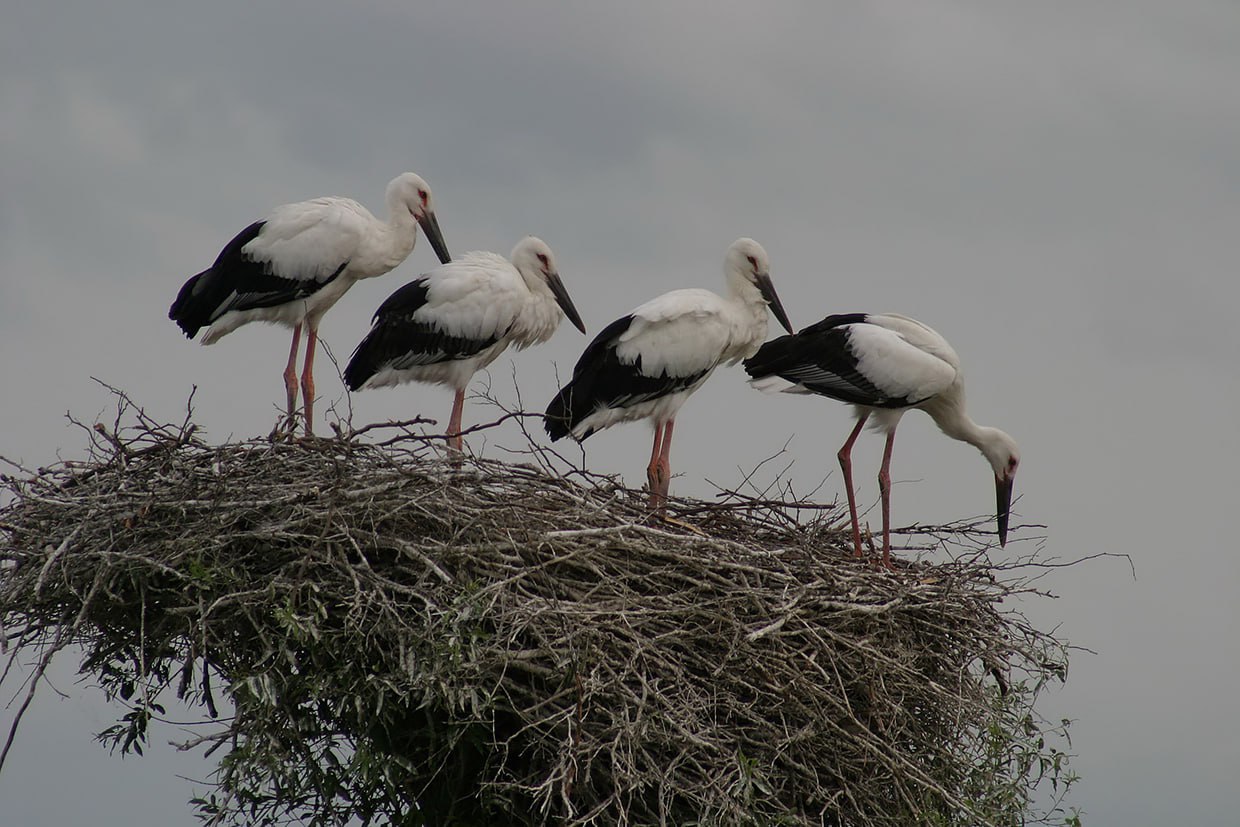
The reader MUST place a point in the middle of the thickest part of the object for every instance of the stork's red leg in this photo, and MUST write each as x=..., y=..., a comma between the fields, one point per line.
x=307, y=377
x=845, y=456
x=454, y=422
x=884, y=489
x=652, y=470
x=665, y=465
x=290, y=374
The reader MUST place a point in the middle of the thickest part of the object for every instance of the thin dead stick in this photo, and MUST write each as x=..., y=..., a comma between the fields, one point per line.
x=35, y=677
x=613, y=669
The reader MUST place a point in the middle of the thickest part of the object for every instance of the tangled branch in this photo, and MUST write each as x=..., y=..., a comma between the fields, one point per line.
x=407, y=641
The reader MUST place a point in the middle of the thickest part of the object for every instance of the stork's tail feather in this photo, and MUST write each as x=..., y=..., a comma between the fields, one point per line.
x=774, y=384
x=558, y=420
x=770, y=359
x=191, y=310
x=364, y=363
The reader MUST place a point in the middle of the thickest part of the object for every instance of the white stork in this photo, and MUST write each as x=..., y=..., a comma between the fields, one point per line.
x=293, y=265
x=884, y=364
x=452, y=322
x=646, y=364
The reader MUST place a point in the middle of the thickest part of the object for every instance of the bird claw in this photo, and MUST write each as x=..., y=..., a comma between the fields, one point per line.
x=455, y=453
x=285, y=429
x=874, y=553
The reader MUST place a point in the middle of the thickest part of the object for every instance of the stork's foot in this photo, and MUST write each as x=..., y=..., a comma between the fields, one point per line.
x=456, y=452
x=859, y=542
x=658, y=478
x=656, y=484
x=285, y=429
x=878, y=558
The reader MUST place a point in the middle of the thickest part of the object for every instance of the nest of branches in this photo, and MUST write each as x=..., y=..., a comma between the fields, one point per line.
x=378, y=634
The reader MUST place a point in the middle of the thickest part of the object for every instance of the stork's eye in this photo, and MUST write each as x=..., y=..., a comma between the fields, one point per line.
x=753, y=262
x=542, y=257
x=423, y=195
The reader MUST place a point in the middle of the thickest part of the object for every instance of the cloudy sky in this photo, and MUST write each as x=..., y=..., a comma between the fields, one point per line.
x=1053, y=186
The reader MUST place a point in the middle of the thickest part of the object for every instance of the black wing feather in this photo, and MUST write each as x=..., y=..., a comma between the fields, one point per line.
x=397, y=340
x=237, y=282
x=600, y=380
x=823, y=348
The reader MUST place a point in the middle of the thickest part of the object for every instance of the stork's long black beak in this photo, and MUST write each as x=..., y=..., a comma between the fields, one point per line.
x=767, y=289
x=1003, y=500
x=430, y=226
x=565, y=303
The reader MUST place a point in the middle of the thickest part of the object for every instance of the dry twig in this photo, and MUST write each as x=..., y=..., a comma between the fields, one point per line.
x=406, y=641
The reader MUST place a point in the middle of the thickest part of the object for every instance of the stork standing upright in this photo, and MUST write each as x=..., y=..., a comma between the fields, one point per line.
x=646, y=364
x=452, y=322
x=293, y=265
x=884, y=364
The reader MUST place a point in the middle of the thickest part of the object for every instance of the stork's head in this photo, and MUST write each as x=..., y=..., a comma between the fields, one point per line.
x=408, y=191
x=1003, y=455
x=748, y=261
x=536, y=263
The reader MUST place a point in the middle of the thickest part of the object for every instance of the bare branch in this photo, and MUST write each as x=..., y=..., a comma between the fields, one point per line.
x=522, y=642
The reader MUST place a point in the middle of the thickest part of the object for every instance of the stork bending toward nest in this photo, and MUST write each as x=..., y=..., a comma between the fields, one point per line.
x=884, y=364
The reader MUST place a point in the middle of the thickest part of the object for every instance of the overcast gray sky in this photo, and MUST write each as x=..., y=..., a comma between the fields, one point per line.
x=1053, y=186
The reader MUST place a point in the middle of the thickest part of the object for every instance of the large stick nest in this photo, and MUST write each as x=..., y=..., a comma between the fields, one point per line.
x=410, y=642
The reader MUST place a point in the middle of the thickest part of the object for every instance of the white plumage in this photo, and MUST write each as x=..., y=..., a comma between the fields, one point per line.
x=293, y=265
x=445, y=326
x=884, y=364
x=647, y=364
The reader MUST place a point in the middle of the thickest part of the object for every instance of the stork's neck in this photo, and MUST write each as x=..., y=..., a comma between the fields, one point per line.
x=393, y=240
x=749, y=316
x=535, y=283
x=744, y=293
x=953, y=421
x=949, y=414
x=538, y=319
x=400, y=219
